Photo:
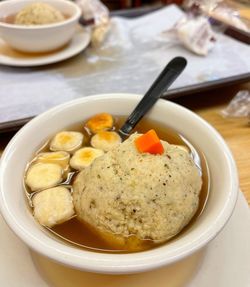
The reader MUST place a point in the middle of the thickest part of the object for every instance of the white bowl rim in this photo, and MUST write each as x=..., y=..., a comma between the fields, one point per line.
x=72, y=18
x=124, y=263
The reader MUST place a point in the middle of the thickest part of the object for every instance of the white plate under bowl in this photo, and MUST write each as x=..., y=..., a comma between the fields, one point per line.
x=11, y=57
x=223, y=263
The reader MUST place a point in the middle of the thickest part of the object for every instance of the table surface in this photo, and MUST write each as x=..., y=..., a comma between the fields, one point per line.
x=235, y=131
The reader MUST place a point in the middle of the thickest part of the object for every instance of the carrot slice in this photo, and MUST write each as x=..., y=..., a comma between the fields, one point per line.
x=149, y=142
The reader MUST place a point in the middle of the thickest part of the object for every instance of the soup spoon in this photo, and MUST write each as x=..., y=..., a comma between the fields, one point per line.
x=160, y=86
x=173, y=69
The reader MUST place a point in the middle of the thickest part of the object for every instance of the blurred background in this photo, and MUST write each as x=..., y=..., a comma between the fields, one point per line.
x=127, y=4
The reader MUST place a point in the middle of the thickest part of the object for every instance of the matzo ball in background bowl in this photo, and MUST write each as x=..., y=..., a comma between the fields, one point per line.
x=217, y=211
x=38, y=26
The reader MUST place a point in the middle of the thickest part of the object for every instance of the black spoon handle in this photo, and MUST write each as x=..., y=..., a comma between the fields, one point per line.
x=161, y=84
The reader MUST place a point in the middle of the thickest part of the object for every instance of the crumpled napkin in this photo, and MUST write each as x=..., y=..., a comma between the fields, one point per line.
x=196, y=34
x=225, y=11
x=95, y=12
x=239, y=105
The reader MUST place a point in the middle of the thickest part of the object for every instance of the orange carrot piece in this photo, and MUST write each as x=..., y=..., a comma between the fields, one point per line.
x=149, y=142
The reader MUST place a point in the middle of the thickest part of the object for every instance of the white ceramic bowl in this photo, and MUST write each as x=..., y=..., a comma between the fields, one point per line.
x=221, y=202
x=38, y=38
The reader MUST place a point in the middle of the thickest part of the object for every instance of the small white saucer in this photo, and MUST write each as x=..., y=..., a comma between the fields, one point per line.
x=223, y=263
x=10, y=57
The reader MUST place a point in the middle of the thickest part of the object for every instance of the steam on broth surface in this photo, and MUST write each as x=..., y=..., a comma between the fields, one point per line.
x=82, y=234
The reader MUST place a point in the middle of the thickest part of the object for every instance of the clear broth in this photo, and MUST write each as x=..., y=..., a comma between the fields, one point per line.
x=82, y=235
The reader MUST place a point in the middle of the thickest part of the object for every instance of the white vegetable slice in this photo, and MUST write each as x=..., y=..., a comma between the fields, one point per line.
x=84, y=157
x=66, y=141
x=58, y=157
x=53, y=206
x=43, y=175
x=105, y=140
